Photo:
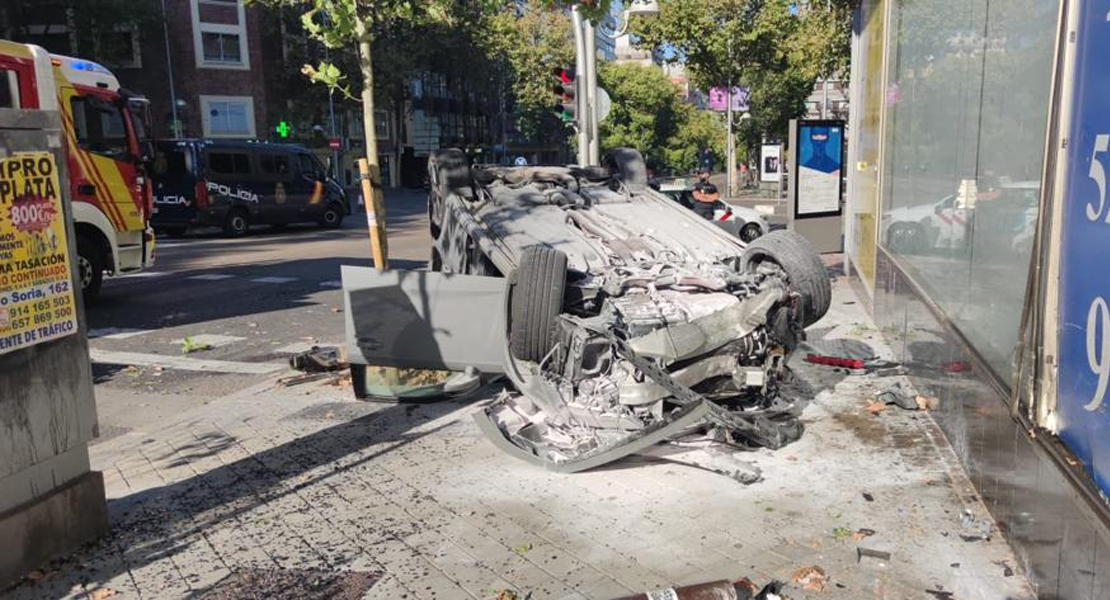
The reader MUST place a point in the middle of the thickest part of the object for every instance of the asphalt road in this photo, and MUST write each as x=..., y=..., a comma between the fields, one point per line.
x=254, y=300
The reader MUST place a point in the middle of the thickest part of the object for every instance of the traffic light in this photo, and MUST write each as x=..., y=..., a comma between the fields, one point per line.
x=566, y=92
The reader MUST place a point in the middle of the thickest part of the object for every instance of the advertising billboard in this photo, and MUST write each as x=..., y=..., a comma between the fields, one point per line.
x=820, y=158
x=1083, y=409
x=719, y=99
x=770, y=163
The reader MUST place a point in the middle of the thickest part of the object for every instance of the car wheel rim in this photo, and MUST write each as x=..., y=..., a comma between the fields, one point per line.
x=749, y=233
x=238, y=224
x=86, y=272
x=330, y=217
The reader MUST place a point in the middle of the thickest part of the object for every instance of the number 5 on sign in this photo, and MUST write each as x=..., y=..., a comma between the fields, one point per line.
x=1098, y=348
x=1102, y=142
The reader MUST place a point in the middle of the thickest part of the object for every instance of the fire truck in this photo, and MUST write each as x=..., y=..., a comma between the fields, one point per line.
x=107, y=142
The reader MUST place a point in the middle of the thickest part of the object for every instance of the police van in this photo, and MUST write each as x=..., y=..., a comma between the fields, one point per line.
x=235, y=184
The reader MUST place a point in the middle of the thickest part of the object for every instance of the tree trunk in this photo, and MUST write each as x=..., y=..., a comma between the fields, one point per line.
x=366, y=65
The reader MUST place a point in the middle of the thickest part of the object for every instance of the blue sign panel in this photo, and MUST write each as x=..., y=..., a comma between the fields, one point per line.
x=820, y=161
x=1084, y=331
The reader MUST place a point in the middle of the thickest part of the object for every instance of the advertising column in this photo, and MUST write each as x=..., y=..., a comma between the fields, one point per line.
x=816, y=178
x=1083, y=409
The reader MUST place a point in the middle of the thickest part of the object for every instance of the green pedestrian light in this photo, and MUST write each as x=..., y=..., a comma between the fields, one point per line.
x=282, y=129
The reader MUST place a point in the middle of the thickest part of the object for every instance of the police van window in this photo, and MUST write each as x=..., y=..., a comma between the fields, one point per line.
x=170, y=163
x=228, y=163
x=99, y=127
x=9, y=89
x=310, y=167
x=274, y=164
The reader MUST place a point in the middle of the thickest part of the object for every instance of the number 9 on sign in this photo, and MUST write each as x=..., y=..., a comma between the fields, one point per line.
x=1098, y=348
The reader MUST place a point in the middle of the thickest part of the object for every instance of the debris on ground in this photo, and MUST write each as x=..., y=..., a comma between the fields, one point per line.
x=973, y=529
x=102, y=593
x=940, y=593
x=294, y=380
x=841, y=533
x=1007, y=570
x=695, y=451
x=318, y=359
x=928, y=402
x=868, y=496
x=507, y=595
x=189, y=346
x=846, y=354
x=897, y=395
x=522, y=549
x=860, y=534
x=810, y=578
x=862, y=553
x=876, y=407
x=741, y=589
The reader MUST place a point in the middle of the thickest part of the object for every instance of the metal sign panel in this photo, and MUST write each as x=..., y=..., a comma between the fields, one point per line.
x=1083, y=409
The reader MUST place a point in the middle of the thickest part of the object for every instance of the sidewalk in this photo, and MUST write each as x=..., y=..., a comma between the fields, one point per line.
x=305, y=493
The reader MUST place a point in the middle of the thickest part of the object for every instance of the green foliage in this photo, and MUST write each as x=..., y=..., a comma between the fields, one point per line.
x=648, y=114
x=527, y=44
x=776, y=51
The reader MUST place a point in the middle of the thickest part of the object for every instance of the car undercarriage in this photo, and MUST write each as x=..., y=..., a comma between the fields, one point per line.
x=625, y=319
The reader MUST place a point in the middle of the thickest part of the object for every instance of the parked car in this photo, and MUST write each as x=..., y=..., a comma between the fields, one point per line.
x=234, y=184
x=621, y=318
x=745, y=223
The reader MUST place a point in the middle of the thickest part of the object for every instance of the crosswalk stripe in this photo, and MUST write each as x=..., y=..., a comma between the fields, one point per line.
x=116, y=333
x=182, y=363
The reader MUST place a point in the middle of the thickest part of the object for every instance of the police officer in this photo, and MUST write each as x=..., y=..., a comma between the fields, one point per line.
x=705, y=195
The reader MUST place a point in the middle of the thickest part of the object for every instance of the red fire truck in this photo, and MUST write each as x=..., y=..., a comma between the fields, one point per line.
x=107, y=141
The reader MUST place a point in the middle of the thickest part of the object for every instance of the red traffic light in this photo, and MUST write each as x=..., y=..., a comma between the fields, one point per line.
x=564, y=76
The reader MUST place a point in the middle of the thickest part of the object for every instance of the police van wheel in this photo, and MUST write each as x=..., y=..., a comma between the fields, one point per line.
x=90, y=268
x=237, y=224
x=333, y=217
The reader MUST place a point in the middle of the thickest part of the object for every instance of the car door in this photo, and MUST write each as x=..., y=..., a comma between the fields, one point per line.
x=312, y=180
x=277, y=181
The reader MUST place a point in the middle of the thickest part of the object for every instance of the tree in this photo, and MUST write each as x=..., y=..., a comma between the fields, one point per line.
x=648, y=114
x=528, y=43
x=776, y=48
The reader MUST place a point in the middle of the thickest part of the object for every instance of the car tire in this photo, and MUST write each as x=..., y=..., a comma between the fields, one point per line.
x=536, y=299
x=627, y=164
x=749, y=232
x=90, y=267
x=806, y=273
x=237, y=223
x=907, y=238
x=333, y=216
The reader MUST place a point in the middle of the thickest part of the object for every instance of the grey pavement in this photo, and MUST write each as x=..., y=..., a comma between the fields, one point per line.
x=223, y=484
x=305, y=483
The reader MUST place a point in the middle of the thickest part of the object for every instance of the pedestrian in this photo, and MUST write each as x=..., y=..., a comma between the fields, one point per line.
x=744, y=175
x=705, y=195
x=705, y=159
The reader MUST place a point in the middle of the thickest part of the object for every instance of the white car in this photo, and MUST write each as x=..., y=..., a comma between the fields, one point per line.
x=1009, y=210
x=742, y=222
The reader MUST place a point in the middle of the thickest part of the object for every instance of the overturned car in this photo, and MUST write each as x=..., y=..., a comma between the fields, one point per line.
x=621, y=318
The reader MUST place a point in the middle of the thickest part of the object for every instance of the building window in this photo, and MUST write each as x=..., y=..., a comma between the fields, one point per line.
x=228, y=116
x=221, y=48
x=220, y=34
x=381, y=124
x=120, y=48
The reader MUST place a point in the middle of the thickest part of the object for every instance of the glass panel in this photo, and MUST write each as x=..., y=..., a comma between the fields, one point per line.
x=967, y=100
x=9, y=89
x=99, y=127
x=221, y=47
x=228, y=163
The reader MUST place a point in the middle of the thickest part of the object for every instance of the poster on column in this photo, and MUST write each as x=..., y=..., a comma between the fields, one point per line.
x=820, y=156
x=1082, y=405
x=36, y=294
x=770, y=164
